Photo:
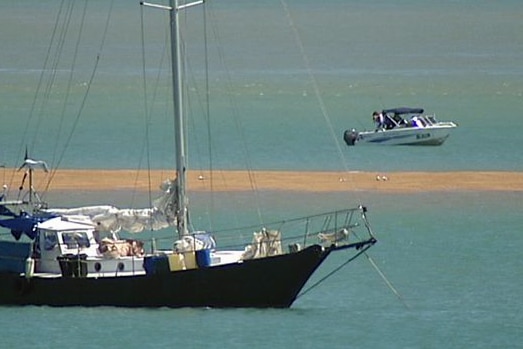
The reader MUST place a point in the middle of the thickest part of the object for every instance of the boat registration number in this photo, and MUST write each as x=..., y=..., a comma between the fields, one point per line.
x=423, y=136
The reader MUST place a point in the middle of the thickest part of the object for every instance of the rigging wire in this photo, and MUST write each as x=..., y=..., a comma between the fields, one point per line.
x=53, y=64
x=235, y=117
x=147, y=116
x=344, y=264
x=325, y=115
x=208, y=115
x=71, y=73
x=32, y=109
x=149, y=106
x=203, y=102
x=86, y=94
x=332, y=272
x=60, y=46
x=190, y=111
x=314, y=83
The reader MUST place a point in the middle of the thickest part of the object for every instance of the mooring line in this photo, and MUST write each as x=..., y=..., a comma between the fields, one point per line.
x=333, y=272
x=386, y=280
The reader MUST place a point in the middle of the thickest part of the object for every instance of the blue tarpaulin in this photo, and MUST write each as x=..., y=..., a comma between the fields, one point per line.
x=23, y=224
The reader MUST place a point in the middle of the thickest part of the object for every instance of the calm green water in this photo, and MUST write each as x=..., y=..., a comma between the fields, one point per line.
x=454, y=257
x=458, y=59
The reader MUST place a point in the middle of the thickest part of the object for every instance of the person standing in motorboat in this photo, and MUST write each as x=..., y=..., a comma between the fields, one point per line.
x=416, y=121
x=377, y=117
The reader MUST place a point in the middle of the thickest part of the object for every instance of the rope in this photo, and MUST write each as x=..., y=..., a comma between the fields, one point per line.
x=380, y=273
x=315, y=86
x=387, y=282
x=334, y=271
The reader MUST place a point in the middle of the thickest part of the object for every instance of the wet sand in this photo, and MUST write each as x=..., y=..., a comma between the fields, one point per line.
x=402, y=182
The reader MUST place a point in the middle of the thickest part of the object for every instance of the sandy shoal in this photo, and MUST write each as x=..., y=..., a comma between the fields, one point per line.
x=285, y=180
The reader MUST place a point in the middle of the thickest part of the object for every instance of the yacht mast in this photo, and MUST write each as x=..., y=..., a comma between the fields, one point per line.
x=179, y=117
x=179, y=127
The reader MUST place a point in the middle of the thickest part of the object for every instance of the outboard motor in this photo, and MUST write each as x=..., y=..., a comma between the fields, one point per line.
x=350, y=137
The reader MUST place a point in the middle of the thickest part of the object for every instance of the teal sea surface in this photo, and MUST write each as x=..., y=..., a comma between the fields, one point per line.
x=292, y=76
x=270, y=67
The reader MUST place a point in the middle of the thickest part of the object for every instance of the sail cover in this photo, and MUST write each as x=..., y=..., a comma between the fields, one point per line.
x=112, y=219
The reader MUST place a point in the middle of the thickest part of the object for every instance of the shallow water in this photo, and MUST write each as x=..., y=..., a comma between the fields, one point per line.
x=458, y=61
x=453, y=257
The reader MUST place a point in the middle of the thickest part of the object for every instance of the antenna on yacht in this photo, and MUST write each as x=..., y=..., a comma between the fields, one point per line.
x=30, y=165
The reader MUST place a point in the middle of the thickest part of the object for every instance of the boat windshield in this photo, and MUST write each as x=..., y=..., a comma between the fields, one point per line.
x=76, y=239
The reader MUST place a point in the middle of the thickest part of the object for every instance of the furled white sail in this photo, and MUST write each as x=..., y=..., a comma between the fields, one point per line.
x=112, y=219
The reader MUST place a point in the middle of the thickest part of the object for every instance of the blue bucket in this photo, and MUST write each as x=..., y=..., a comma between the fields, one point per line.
x=203, y=258
x=156, y=264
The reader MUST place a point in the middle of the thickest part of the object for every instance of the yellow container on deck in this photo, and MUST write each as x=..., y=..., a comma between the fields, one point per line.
x=176, y=262
x=190, y=260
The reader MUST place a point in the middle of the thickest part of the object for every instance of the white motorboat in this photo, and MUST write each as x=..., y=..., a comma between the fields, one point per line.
x=403, y=126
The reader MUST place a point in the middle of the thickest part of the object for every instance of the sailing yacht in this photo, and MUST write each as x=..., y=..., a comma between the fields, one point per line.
x=75, y=257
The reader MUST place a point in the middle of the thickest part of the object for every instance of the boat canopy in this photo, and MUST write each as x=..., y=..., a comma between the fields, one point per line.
x=403, y=110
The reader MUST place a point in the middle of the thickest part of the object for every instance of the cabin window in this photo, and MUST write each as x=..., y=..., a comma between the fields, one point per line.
x=50, y=240
x=75, y=240
x=99, y=236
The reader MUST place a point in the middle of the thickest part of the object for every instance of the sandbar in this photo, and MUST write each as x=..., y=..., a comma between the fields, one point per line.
x=306, y=181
